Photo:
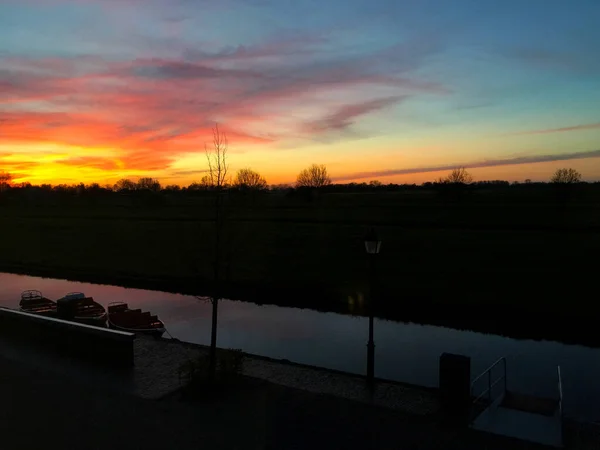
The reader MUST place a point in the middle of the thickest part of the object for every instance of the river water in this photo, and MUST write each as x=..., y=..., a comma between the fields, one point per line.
x=404, y=351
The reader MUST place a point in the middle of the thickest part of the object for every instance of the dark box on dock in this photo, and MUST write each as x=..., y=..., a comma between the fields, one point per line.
x=455, y=387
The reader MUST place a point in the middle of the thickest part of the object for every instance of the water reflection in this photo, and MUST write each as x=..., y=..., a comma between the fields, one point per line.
x=405, y=352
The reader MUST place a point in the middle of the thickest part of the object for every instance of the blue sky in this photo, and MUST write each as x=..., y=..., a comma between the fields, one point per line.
x=98, y=90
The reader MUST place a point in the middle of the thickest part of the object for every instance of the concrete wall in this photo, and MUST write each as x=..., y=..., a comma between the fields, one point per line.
x=95, y=344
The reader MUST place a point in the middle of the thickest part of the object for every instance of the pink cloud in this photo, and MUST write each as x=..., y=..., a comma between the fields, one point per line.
x=154, y=110
x=345, y=116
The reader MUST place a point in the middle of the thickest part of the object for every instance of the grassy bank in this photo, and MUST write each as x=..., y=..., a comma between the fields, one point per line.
x=519, y=277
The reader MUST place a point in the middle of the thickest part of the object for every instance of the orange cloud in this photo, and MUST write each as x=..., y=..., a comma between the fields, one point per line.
x=94, y=162
x=152, y=112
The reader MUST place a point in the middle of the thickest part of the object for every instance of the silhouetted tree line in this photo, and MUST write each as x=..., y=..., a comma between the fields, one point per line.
x=194, y=188
x=314, y=178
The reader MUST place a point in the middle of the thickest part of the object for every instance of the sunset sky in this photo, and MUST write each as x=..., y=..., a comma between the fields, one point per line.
x=395, y=90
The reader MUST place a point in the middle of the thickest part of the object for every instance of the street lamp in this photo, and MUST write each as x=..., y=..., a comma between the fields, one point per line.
x=372, y=246
x=372, y=242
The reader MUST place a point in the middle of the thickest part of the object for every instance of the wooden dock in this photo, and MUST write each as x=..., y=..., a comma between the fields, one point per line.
x=510, y=414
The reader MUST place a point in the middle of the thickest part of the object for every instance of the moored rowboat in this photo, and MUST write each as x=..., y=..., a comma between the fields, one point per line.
x=121, y=317
x=34, y=302
x=77, y=307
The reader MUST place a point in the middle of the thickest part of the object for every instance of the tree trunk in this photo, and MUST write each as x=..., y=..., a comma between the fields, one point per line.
x=216, y=291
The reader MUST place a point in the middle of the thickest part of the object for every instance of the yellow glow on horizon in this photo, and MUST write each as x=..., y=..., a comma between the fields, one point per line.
x=57, y=163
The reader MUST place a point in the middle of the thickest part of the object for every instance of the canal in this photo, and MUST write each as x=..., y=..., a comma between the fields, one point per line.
x=404, y=351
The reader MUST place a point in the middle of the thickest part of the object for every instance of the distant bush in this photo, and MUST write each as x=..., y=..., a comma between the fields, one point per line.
x=148, y=184
x=194, y=373
x=316, y=176
x=458, y=176
x=248, y=179
x=230, y=363
x=124, y=185
x=566, y=176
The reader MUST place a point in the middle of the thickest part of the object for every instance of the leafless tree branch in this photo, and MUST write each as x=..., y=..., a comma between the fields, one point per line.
x=316, y=176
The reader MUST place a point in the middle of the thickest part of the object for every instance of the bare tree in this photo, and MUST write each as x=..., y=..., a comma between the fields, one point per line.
x=217, y=159
x=217, y=179
x=205, y=182
x=203, y=185
x=148, y=184
x=566, y=176
x=5, y=179
x=315, y=176
x=281, y=187
x=172, y=188
x=457, y=176
x=250, y=180
x=124, y=185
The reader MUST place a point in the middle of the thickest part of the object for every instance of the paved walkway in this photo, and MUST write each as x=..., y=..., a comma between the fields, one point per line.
x=65, y=405
x=394, y=396
x=156, y=374
x=41, y=409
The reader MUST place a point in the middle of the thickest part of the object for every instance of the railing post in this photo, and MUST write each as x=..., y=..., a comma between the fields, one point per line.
x=504, y=375
x=560, y=392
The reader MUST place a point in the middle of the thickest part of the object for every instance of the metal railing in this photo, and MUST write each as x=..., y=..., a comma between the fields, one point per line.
x=487, y=393
x=560, y=393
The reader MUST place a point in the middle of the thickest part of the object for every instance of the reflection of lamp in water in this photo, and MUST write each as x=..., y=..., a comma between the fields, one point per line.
x=372, y=246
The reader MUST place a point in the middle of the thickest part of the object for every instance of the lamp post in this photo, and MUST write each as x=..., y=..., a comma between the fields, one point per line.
x=372, y=246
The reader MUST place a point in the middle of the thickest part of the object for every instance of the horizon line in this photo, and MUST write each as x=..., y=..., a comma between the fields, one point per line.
x=473, y=165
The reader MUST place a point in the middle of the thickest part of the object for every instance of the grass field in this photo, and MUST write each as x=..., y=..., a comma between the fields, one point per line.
x=488, y=257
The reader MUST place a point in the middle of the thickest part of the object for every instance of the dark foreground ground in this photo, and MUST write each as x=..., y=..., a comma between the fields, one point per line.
x=40, y=409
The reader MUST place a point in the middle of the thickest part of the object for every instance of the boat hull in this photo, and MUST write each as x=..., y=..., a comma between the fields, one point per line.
x=77, y=307
x=99, y=321
x=48, y=313
x=33, y=302
x=123, y=318
x=93, y=320
x=156, y=332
